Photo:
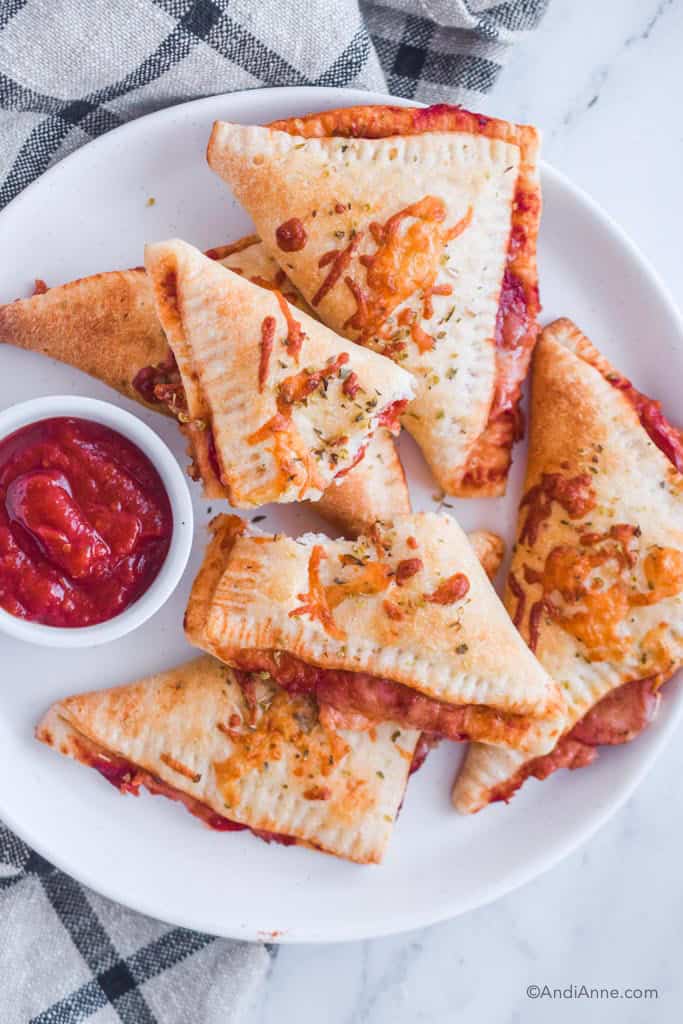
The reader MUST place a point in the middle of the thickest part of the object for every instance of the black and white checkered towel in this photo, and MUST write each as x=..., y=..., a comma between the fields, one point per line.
x=70, y=70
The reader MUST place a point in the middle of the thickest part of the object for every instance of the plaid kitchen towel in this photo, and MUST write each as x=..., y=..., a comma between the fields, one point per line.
x=68, y=955
x=71, y=70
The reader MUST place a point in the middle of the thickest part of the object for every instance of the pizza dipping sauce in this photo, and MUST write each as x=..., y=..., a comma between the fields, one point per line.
x=85, y=522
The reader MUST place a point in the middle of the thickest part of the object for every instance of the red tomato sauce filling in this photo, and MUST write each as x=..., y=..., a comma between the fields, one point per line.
x=426, y=742
x=372, y=697
x=85, y=523
x=618, y=718
x=515, y=337
x=514, y=341
x=213, y=454
x=127, y=778
x=667, y=438
x=162, y=384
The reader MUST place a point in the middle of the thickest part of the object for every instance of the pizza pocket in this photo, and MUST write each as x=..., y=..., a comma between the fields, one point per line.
x=596, y=581
x=232, y=754
x=106, y=325
x=400, y=625
x=412, y=231
x=275, y=406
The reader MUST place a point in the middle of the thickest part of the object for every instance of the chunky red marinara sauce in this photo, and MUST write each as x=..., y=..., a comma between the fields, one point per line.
x=85, y=522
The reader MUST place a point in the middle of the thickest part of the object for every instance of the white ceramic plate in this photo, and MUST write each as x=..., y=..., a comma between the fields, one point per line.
x=91, y=213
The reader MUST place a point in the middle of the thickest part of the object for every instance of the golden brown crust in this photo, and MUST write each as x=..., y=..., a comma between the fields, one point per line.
x=379, y=122
x=224, y=532
x=193, y=734
x=283, y=427
x=596, y=579
x=485, y=474
x=595, y=470
x=325, y=602
x=104, y=325
x=483, y=469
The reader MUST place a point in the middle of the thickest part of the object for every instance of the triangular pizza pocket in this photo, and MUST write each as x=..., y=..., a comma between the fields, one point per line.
x=596, y=581
x=106, y=325
x=412, y=231
x=232, y=753
x=400, y=625
x=275, y=405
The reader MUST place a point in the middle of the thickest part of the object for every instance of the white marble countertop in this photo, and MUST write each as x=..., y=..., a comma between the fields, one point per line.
x=603, y=80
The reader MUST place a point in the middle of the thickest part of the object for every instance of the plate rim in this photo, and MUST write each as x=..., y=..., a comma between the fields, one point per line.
x=396, y=922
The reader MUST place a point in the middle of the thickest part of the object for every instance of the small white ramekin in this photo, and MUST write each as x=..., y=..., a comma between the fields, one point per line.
x=175, y=483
